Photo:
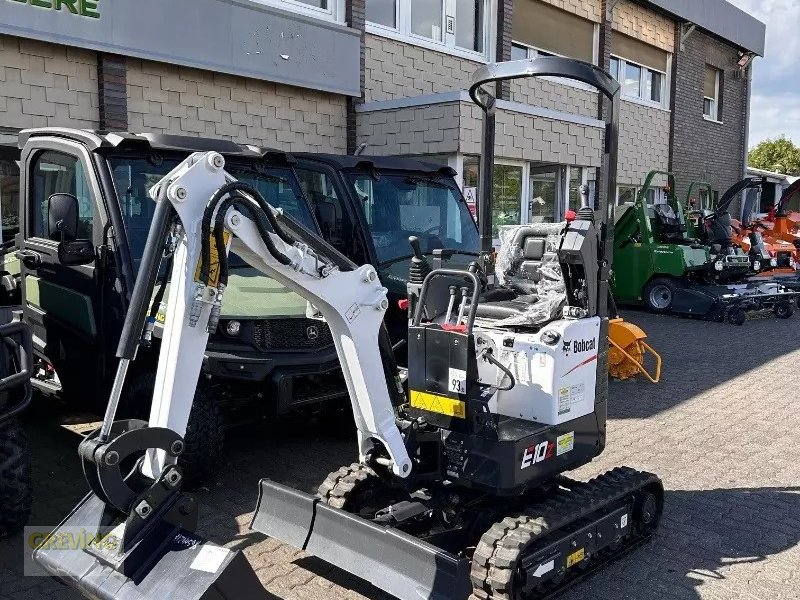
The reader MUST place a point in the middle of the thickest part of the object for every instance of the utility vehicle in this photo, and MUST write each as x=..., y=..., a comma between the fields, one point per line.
x=374, y=204
x=266, y=359
x=694, y=270
x=16, y=494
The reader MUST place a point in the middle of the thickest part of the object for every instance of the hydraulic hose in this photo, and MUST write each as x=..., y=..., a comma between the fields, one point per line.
x=241, y=203
x=488, y=356
x=209, y=215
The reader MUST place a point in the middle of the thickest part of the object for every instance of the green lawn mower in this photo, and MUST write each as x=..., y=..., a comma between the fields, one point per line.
x=661, y=262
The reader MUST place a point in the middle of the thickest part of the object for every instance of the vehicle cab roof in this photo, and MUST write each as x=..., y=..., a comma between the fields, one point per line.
x=103, y=141
x=377, y=163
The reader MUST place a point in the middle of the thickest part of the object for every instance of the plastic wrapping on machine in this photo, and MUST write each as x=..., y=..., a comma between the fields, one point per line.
x=532, y=274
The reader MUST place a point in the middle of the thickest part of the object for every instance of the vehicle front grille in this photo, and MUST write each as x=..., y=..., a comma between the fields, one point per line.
x=291, y=334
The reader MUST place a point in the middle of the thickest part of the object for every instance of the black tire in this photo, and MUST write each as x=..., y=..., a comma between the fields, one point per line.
x=659, y=294
x=205, y=436
x=205, y=432
x=16, y=486
x=737, y=316
x=783, y=309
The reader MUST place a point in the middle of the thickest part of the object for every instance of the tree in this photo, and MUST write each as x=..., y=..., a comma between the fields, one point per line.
x=780, y=155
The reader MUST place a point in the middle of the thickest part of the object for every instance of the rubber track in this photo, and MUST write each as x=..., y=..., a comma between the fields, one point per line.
x=338, y=485
x=498, y=553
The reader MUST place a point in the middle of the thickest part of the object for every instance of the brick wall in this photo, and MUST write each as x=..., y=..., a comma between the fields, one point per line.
x=397, y=70
x=588, y=9
x=638, y=22
x=167, y=99
x=456, y=127
x=704, y=150
x=47, y=85
x=555, y=96
x=643, y=142
x=412, y=130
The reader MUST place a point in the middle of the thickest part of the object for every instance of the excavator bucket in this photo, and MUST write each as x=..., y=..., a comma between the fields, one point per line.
x=166, y=560
x=627, y=351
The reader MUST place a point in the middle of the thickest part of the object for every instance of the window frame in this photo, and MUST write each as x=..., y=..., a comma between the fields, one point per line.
x=715, y=117
x=402, y=32
x=622, y=186
x=533, y=53
x=335, y=11
x=643, y=77
x=30, y=207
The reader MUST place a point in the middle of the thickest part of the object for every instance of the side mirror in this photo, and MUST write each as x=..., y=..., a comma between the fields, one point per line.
x=326, y=216
x=62, y=217
x=62, y=221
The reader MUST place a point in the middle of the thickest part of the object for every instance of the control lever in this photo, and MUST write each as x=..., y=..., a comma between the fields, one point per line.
x=451, y=304
x=462, y=309
x=420, y=267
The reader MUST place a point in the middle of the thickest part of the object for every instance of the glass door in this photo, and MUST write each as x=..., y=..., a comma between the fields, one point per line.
x=507, y=197
x=544, y=194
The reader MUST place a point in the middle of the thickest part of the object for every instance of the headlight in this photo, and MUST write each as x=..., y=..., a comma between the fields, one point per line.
x=233, y=328
x=773, y=262
x=756, y=265
x=719, y=266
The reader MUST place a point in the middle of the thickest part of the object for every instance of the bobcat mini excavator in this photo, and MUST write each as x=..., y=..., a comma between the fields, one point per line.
x=459, y=489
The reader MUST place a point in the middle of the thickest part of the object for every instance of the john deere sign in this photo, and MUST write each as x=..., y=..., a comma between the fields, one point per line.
x=83, y=8
x=240, y=37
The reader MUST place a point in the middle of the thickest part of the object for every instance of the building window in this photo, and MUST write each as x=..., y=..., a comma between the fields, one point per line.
x=552, y=31
x=326, y=9
x=639, y=81
x=521, y=52
x=460, y=25
x=382, y=12
x=626, y=194
x=641, y=69
x=426, y=19
x=711, y=103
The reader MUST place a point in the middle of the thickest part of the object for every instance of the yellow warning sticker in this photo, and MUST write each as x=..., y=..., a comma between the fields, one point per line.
x=576, y=557
x=438, y=404
x=213, y=269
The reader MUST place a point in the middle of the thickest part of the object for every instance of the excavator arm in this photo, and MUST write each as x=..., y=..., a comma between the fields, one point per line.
x=352, y=303
x=135, y=527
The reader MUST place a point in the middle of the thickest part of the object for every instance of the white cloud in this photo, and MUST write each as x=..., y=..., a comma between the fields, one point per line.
x=774, y=115
x=776, y=87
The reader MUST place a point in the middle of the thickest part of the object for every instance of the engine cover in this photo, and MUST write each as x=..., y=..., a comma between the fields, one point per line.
x=555, y=370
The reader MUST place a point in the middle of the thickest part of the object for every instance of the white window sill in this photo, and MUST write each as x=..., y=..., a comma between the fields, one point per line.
x=710, y=120
x=640, y=102
x=422, y=42
x=335, y=14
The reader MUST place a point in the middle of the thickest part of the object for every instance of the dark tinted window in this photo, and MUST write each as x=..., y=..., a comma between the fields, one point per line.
x=58, y=173
x=399, y=206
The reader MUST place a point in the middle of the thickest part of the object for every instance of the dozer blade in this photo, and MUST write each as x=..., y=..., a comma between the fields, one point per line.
x=391, y=560
x=166, y=562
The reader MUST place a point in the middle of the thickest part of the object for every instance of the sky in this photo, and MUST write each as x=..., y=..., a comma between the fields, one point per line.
x=776, y=86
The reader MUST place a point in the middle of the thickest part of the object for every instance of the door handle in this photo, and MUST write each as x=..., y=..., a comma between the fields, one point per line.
x=32, y=260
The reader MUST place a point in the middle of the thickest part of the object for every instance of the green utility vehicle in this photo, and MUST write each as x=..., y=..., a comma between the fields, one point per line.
x=266, y=356
x=659, y=263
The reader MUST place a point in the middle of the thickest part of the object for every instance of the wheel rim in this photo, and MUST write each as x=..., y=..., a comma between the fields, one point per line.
x=661, y=297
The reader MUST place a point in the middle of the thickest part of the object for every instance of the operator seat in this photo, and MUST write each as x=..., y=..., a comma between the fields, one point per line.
x=527, y=251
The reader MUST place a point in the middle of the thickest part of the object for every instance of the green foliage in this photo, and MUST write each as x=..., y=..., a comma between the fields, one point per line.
x=780, y=155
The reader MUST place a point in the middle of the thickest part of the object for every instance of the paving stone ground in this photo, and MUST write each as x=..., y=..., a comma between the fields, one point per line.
x=722, y=430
